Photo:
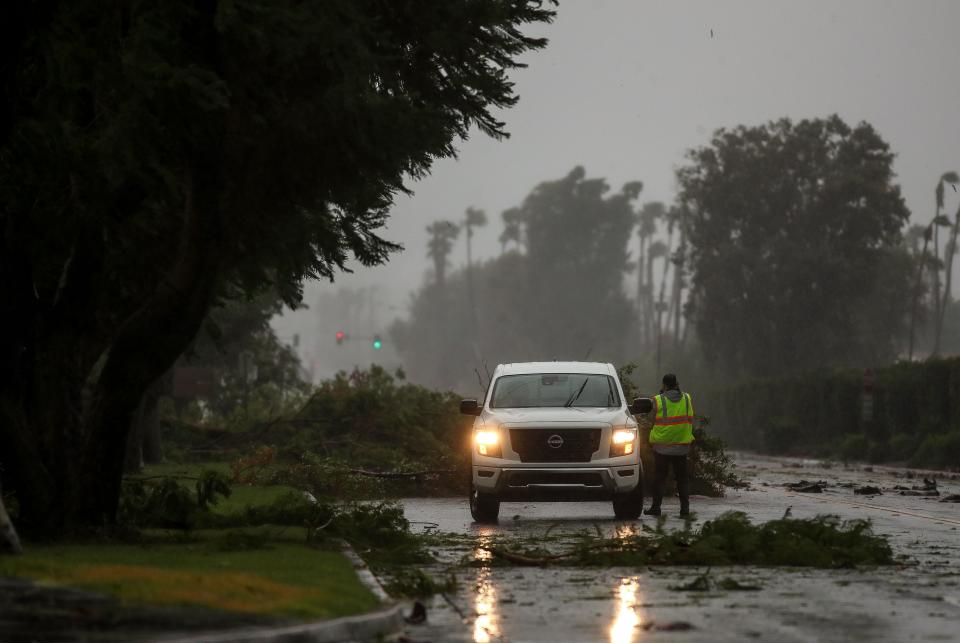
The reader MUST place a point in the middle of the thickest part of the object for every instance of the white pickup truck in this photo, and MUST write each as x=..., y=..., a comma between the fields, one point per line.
x=555, y=431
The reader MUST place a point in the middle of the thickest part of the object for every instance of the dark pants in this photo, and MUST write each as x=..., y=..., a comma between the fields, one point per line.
x=662, y=463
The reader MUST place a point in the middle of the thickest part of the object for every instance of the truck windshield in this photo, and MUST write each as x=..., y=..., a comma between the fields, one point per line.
x=554, y=390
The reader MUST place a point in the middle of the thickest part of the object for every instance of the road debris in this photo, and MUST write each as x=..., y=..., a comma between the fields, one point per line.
x=729, y=539
x=927, y=489
x=953, y=497
x=805, y=486
x=868, y=490
x=673, y=626
x=417, y=615
x=705, y=583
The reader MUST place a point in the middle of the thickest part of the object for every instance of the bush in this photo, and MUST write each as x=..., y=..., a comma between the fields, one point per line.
x=938, y=451
x=902, y=446
x=166, y=502
x=853, y=447
x=878, y=451
x=916, y=398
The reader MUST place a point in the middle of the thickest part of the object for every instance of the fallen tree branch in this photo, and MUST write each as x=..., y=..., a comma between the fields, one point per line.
x=400, y=474
x=540, y=561
x=145, y=478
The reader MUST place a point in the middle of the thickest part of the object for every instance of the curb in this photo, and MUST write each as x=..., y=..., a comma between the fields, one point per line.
x=364, y=574
x=362, y=627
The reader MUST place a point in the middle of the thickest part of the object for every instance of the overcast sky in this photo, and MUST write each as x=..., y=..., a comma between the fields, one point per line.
x=626, y=86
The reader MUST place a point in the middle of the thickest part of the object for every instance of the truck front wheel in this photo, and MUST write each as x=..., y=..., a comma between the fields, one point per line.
x=629, y=506
x=483, y=506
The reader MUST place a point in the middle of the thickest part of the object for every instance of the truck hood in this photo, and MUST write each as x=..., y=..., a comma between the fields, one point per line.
x=615, y=417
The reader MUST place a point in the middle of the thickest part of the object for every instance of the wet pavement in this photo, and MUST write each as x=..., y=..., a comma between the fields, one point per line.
x=916, y=601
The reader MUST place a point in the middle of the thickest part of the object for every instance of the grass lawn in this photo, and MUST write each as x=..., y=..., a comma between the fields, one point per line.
x=283, y=578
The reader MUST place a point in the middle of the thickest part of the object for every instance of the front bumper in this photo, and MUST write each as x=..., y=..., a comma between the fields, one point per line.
x=556, y=483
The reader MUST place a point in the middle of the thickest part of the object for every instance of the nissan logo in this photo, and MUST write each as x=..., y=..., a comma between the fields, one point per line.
x=554, y=441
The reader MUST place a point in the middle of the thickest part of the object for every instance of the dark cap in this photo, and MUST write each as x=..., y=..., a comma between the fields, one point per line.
x=669, y=381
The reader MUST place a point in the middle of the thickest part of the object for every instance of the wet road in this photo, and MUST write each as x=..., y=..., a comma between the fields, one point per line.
x=915, y=602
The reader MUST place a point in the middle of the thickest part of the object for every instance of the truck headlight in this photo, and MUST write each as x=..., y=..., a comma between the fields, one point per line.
x=488, y=442
x=622, y=442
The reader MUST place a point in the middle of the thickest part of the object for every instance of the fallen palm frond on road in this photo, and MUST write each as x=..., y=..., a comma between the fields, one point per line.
x=730, y=539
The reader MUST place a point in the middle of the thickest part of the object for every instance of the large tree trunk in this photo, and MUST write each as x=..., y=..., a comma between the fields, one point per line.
x=151, y=446
x=145, y=347
x=64, y=418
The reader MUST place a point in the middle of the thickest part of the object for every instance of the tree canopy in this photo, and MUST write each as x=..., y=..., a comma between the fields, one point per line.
x=156, y=159
x=559, y=296
x=797, y=253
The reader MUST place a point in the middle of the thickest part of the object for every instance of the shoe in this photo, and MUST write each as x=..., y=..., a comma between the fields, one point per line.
x=653, y=511
x=684, y=511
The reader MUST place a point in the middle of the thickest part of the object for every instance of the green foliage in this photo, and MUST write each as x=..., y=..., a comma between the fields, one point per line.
x=853, y=447
x=235, y=336
x=166, y=502
x=796, y=247
x=291, y=509
x=372, y=419
x=162, y=503
x=566, y=277
x=939, y=451
x=730, y=539
x=158, y=158
x=379, y=530
x=413, y=582
x=327, y=478
x=819, y=413
x=712, y=470
x=902, y=446
x=210, y=485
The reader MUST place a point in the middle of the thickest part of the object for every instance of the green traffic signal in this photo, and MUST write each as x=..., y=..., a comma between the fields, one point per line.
x=377, y=343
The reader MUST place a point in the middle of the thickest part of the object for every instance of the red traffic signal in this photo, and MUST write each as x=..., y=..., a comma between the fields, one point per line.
x=341, y=336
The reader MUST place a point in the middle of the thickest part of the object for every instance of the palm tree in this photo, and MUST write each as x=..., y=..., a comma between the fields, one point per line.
x=474, y=219
x=928, y=233
x=679, y=260
x=442, y=235
x=512, y=231
x=646, y=229
x=949, y=253
x=661, y=302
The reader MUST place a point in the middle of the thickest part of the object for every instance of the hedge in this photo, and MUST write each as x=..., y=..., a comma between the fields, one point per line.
x=916, y=404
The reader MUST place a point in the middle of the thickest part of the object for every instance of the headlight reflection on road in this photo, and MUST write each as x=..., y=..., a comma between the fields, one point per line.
x=625, y=621
x=486, y=625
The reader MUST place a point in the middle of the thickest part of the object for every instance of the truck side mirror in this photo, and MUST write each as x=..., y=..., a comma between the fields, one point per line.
x=470, y=407
x=641, y=406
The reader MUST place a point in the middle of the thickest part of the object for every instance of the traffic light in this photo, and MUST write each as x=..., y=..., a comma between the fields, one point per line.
x=377, y=343
x=340, y=337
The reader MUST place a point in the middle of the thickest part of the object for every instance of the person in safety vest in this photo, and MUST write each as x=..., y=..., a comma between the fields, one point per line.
x=670, y=437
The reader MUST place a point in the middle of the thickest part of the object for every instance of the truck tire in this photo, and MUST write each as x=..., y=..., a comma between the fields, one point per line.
x=629, y=506
x=483, y=506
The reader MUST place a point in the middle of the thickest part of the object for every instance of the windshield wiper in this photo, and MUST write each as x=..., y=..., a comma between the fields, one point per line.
x=576, y=395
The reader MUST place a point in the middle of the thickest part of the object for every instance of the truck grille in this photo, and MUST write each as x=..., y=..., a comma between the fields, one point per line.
x=586, y=478
x=575, y=445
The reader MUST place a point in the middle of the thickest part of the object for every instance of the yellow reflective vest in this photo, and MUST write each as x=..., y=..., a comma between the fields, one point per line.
x=673, y=423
